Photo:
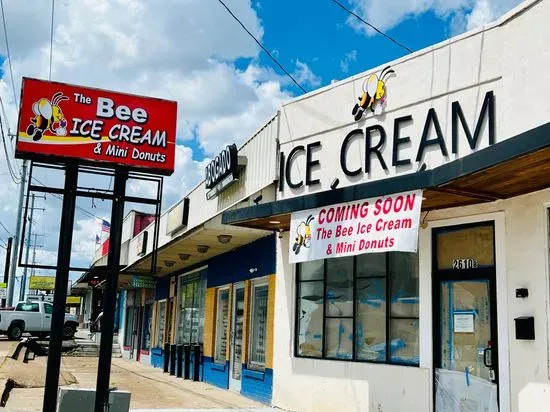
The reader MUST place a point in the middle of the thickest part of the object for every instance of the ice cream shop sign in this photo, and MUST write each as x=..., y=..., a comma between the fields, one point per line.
x=59, y=121
x=387, y=223
x=388, y=146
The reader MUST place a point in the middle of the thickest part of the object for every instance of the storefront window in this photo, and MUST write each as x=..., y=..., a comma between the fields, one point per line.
x=147, y=326
x=362, y=308
x=258, y=334
x=191, y=308
x=161, y=323
x=222, y=318
x=129, y=326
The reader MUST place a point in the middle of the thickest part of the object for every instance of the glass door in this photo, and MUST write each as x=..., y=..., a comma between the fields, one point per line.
x=237, y=325
x=465, y=328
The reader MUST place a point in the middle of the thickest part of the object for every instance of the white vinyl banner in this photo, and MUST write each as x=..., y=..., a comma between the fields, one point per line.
x=381, y=224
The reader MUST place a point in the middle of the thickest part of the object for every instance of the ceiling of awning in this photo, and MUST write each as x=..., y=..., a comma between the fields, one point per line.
x=511, y=168
x=169, y=256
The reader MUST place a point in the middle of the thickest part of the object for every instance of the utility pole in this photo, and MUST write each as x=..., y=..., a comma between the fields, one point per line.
x=24, y=280
x=11, y=279
x=34, y=252
x=7, y=266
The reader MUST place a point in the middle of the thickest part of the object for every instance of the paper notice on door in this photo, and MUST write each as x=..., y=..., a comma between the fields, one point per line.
x=463, y=322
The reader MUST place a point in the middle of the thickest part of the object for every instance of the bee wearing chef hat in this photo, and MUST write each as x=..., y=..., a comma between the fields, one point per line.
x=303, y=235
x=373, y=97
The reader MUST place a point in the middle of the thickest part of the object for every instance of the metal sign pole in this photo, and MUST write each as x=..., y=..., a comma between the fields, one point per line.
x=60, y=295
x=7, y=267
x=109, y=299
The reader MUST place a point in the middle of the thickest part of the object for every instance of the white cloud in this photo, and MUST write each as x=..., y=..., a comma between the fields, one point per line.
x=183, y=50
x=349, y=58
x=462, y=14
x=305, y=76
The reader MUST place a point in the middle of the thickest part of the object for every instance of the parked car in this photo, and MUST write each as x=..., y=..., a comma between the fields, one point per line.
x=35, y=318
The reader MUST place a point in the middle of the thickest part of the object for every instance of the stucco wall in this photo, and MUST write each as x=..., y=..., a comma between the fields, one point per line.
x=326, y=385
x=462, y=69
x=526, y=266
x=521, y=236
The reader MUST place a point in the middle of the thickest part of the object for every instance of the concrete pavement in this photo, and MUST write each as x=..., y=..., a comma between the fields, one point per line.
x=208, y=410
x=151, y=388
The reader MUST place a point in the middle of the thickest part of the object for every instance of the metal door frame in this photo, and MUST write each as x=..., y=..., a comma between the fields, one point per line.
x=235, y=384
x=466, y=274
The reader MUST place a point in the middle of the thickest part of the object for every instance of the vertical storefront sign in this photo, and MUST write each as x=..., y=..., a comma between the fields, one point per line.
x=382, y=224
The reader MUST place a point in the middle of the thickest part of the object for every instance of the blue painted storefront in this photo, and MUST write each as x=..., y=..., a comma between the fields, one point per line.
x=230, y=267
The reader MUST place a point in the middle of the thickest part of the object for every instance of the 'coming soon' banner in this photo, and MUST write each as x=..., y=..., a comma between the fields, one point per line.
x=380, y=224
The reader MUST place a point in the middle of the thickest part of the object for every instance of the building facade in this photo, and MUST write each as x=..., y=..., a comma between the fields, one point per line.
x=459, y=322
x=463, y=322
x=213, y=284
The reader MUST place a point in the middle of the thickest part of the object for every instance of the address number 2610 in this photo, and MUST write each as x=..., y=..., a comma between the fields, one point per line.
x=460, y=264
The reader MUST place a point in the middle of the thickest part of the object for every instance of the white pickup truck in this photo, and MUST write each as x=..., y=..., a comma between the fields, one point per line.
x=35, y=318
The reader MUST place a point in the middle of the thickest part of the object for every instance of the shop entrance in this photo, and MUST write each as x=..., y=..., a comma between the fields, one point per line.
x=237, y=323
x=465, y=324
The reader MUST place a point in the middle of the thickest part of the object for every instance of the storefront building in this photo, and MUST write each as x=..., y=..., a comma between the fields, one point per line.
x=462, y=323
x=214, y=284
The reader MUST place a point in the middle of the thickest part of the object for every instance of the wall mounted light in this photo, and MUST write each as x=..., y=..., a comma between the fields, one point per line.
x=274, y=222
x=169, y=263
x=202, y=248
x=281, y=231
x=258, y=199
x=252, y=270
x=224, y=239
x=335, y=183
x=184, y=256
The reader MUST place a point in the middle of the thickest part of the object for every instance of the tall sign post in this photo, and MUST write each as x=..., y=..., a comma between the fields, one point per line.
x=109, y=133
x=7, y=270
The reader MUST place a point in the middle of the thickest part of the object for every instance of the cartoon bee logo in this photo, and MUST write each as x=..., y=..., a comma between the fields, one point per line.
x=374, y=94
x=303, y=235
x=46, y=114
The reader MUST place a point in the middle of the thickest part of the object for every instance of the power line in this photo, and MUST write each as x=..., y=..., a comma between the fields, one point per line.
x=61, y=198
x=9, y=233
x=262, y=47
x=51, y=40
x=8, y=51
x=372, y=27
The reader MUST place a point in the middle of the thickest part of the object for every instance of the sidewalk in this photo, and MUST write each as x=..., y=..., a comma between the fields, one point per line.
x=207, y=410
x=151, y=388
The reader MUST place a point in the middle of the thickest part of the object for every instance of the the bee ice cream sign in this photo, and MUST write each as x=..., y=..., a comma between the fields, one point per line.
x=59, y=121
x=381, y=224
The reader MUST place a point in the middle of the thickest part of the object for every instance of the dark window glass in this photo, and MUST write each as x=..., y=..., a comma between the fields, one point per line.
x=28, y=307
x=48, y=309
x=147, y=326
x=371, y=265
x=339, y=297
x=313, y=270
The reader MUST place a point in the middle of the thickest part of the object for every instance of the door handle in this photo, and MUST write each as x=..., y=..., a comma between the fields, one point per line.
x=487, y=360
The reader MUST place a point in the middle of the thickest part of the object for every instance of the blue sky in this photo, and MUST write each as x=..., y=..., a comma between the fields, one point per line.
x=195, y=53
x=320, y=37
x=325, y=37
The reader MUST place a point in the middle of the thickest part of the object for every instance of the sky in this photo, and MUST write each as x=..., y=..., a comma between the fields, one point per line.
x=192, y=51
